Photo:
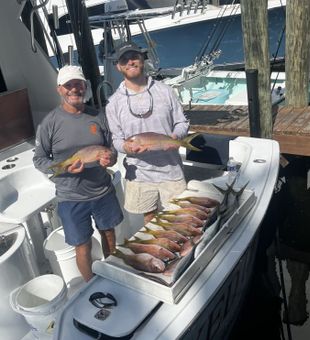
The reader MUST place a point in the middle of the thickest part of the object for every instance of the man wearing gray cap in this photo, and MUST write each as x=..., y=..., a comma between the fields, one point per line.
x=84, y=191
x=142, y=104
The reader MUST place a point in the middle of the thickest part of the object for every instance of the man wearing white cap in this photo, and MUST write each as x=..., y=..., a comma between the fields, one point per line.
x=83, y=191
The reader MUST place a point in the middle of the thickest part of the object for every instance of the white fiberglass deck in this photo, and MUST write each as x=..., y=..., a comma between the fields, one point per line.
x=24, y=189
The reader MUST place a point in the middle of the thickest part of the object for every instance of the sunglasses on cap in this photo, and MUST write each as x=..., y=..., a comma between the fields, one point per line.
x=130, y=55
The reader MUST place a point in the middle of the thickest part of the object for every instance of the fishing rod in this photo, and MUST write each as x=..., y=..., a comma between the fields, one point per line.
x=231, y=18
x=216, y=26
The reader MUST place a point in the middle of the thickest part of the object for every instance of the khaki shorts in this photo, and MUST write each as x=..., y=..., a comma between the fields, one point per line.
x=142, y=197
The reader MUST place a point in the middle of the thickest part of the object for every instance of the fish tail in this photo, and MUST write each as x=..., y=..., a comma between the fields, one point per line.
x=157, y=220
x=58, y=169
x=167, y=212
x=240, y=192
x=147, y=230
x=175, y=201
x=126, y=241
x=221, y=190
x=186, y=142
x=118, y=253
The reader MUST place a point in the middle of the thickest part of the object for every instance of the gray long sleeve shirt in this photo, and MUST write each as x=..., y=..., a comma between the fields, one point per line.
x=59, y=136
x=167, y=118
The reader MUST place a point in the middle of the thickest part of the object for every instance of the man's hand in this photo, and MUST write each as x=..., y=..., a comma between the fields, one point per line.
x=172, y=146
x=107, y=159
x=131, y=148
x=76, y=167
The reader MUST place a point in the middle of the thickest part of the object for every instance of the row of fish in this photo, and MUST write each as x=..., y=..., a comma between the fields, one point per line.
x=180, y=235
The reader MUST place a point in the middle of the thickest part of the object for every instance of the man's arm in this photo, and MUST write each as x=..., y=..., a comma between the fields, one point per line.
x=43, y=158
x=118, y=137
x=180, y=122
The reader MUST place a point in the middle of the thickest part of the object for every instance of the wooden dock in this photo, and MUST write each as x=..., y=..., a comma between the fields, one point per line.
x=291, y=126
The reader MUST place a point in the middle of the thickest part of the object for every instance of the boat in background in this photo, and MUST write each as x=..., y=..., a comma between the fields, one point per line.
x=219, y=87
x=185, y=30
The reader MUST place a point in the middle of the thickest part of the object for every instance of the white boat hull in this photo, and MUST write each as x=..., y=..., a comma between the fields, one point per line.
x=212, y=301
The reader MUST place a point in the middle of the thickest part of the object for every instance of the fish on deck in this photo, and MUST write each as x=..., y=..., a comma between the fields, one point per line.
x=230, y=202
x=143, y=261
x=202, y=215
x=170, y=234
x=184, y=204
x=188, y=245
x=176, y=267
x=184, y=229
x=183, y=218
x=153, y=249
x=162, y=241
x=153, y=141
x=199, y=200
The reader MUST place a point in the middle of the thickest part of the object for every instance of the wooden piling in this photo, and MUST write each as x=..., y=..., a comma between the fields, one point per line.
x=297, y=53
x=254, y=18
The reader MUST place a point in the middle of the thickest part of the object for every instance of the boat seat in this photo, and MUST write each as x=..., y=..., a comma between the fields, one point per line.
x=215, y=149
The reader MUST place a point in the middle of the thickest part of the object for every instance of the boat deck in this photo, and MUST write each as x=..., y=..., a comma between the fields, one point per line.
x=291, y=127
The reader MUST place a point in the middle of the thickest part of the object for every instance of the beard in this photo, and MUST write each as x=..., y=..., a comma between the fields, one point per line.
x=133, y=73
x=75, y=100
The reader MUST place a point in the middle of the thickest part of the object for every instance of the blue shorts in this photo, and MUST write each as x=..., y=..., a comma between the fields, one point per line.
x=76, y=217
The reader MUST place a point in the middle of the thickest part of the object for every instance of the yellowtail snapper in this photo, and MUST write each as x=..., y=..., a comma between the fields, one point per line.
x=145, y=262
x=88, y=154
x=155, y=141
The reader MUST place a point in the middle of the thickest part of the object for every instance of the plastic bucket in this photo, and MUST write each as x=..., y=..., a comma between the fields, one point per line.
x=39, y=301
x=62, y=257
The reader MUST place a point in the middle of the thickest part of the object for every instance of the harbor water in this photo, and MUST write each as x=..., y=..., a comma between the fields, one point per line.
x=276, y=303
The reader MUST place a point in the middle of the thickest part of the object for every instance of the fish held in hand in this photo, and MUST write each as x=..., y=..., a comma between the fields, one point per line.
x=153, y=141
x=88, y=154
x=143, y=261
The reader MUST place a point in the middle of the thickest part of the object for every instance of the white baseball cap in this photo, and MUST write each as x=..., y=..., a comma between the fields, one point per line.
x=68, y=73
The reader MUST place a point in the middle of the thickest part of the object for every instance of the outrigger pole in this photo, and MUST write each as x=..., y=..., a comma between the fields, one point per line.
x=84, y=42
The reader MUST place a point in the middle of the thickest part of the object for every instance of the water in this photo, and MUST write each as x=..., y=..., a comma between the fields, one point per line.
x=285, y=233
x=221, y=88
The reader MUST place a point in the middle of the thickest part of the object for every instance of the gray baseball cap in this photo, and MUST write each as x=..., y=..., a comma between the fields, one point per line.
x=125, y=47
